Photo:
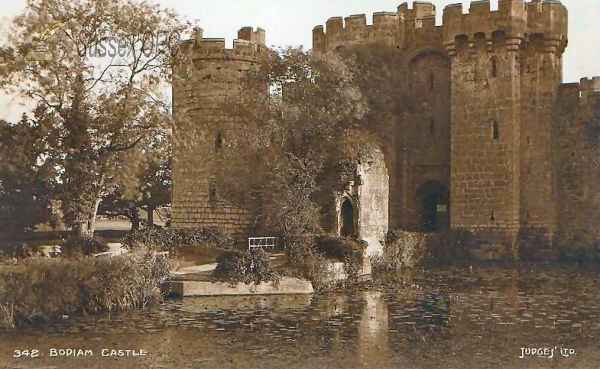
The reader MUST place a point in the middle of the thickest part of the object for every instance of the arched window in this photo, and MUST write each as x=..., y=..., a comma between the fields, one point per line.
x=219, y=141
x=347, y=217
x=495, y=130
x=494, y=67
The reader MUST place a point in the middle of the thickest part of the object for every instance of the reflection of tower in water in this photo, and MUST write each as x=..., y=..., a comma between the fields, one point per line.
x=373, y=345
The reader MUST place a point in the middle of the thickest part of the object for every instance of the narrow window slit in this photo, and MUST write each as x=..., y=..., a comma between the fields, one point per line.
x=219, y=141
x=431, y=81
x=494, y=67
x=495, y=130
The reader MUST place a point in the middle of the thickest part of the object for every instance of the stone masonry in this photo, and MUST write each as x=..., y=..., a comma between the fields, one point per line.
x=207, y=74
x=490, y=141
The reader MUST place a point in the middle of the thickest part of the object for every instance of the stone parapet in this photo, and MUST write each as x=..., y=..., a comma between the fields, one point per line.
x=515, y=19
x=249, y=46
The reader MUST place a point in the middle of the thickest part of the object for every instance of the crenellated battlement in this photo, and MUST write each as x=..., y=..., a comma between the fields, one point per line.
x=589, y=85
x=249, y=34
x=420, y=10
x=354, y=29
x=514, y=21
x=586, y=89
x=249, y=45
x=549, y=18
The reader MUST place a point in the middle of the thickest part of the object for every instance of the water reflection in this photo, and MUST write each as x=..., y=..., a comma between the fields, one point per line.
x=434, y=310
x=373, y=330
x=444, y=317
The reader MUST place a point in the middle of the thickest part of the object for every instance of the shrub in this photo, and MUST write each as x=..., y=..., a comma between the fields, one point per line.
x=305, y=260
x=345, y=250
x=161, y=238
x=7, y=316
x=402, y=249
x=47, y=289
x=81, y=246
x=251, y=266
x=17, y=249
x=308, y=256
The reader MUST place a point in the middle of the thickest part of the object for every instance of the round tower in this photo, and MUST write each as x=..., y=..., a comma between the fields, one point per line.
x=205, y=75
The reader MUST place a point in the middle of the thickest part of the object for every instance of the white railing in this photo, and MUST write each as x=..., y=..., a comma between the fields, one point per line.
x=262, y=242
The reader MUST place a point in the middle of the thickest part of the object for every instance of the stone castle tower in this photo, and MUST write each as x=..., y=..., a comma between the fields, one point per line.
x=491, y=140
x=206, y=75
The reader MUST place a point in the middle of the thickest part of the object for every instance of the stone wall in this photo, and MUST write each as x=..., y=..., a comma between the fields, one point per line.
x=368, y=194
x=578, y=151
x=373, y=198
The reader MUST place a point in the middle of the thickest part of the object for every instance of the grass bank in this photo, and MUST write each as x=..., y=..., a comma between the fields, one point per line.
x=45, y=290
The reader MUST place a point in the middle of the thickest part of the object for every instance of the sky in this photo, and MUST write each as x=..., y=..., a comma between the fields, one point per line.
x=290, y=22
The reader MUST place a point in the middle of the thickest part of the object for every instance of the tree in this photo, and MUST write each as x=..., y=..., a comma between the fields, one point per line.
x=26, y=178
x=116, y=204
x=320, y=113
x=150, y=189
x=156, y=183
x=302, y=122
x=284, y=137
x=379, y=77
x=102, y=105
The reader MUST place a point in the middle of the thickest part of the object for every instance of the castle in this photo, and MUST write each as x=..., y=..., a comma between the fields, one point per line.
x=492, y=141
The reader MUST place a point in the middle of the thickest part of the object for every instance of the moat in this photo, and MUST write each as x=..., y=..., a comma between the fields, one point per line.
x=445, y=317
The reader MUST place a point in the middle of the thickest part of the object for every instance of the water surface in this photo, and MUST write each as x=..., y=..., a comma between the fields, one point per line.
x=442, y=317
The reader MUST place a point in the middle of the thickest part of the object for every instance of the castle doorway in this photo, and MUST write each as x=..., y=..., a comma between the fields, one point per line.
x=347, y=229
x=434, y=204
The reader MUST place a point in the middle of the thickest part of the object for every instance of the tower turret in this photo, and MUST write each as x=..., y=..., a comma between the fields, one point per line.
x=541, y=74
x=496, y=108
